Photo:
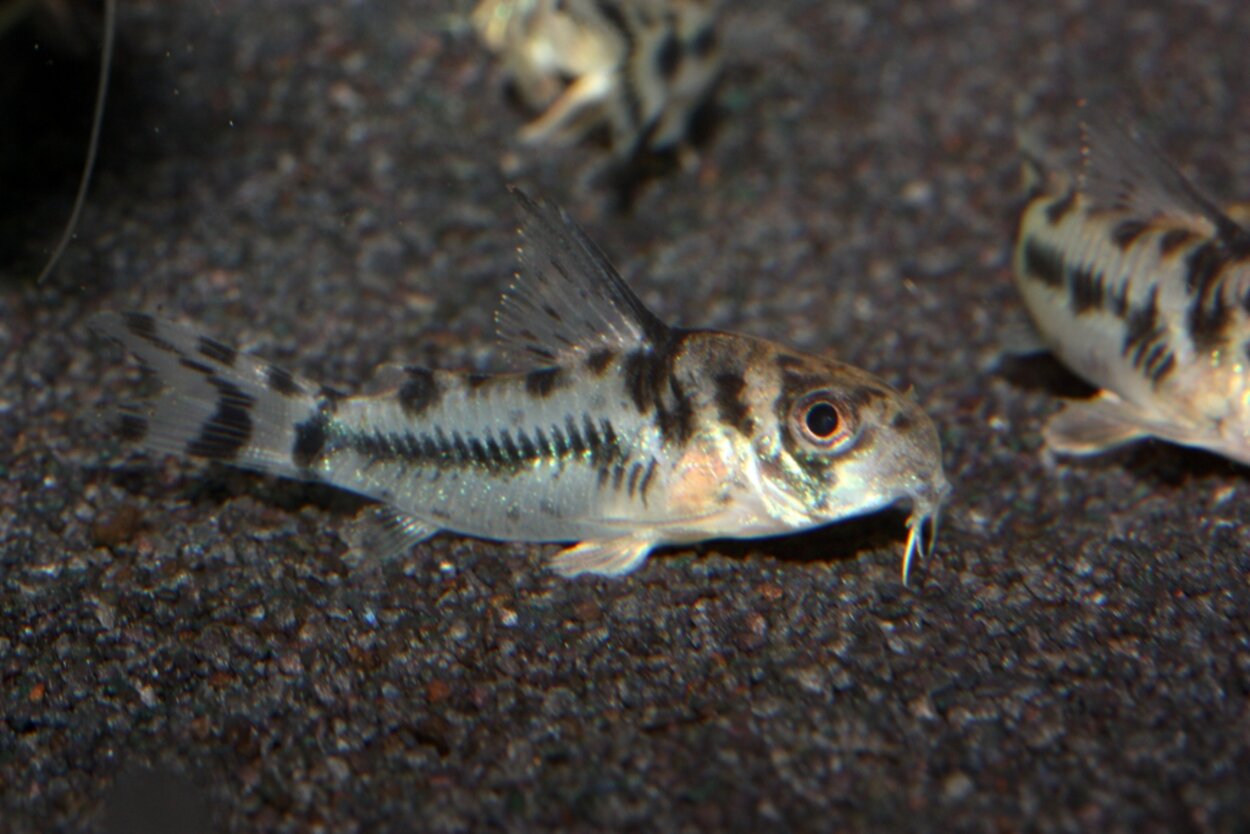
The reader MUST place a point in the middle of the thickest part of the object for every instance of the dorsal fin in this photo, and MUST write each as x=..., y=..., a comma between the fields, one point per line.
x=567, y=300
x=1125, y=171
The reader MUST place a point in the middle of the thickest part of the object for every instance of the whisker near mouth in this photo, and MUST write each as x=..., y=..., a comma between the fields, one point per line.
x=925, y=513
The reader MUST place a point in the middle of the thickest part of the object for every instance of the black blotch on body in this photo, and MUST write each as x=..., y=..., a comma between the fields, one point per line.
x=1174, y=239
x=1160, y=369
x=1059, y=209
x=599, y=360
x=730, y=405
x=420, y=391
x=1044, y=263
x=1085, y=290
x=704, y=42
x=861, y=397
x=1145, y=340
x=668, y=56
x=1127, y=231
x=646, y=480
x=312, y=435
x=1209, y=314
x=310, y=440
x=229, y=429
x=143, y=326
x=634, y=472
x=476, y=381
x=902, y=421
x=217, y=351
x=655, y=389
x=1142, y=325
x=542, y=382
x=133, y=427
x=198, y=367
x=281, y=381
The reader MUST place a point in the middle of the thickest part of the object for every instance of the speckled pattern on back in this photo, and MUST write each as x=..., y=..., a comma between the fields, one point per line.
x=322, y=182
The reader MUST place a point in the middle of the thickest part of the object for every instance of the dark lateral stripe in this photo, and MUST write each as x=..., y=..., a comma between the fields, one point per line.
x=217, y=351
x=503, y=452
x=1044, y=263
x=224, y=435
x=731, y=408
x=542, y=382
x=419, y=392
x=577, y=443
x=1059, y=209
x=1128, y=231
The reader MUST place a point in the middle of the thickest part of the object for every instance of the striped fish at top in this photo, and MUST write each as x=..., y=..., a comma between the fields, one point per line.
x=627, y=433
x=639, y=68
x=1141, y=285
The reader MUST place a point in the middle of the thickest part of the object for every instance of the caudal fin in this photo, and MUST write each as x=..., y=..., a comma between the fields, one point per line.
x=214, y=402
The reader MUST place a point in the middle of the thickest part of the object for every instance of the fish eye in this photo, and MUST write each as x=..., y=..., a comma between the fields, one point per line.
x=824, y=422
x=822, y=419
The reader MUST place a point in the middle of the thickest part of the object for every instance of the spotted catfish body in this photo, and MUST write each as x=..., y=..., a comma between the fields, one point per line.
x=1141, y=285
x=640, y=68
x=629, y=434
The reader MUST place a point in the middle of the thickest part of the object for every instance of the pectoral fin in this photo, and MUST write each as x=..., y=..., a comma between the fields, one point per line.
x=1091, y=426
x=606, y=557
x=383, y=533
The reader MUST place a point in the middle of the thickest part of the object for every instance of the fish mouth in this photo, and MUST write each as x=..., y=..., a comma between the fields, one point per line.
x=926, y=512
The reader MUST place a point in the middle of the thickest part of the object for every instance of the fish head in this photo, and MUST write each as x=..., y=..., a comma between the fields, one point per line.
x=847, y=444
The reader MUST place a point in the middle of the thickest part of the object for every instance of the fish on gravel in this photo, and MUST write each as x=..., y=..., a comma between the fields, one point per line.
x=627, y=433
x=639, y=68
x=1141, y=285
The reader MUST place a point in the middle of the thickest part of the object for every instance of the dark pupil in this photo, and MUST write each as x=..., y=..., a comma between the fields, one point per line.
x=822, y=420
